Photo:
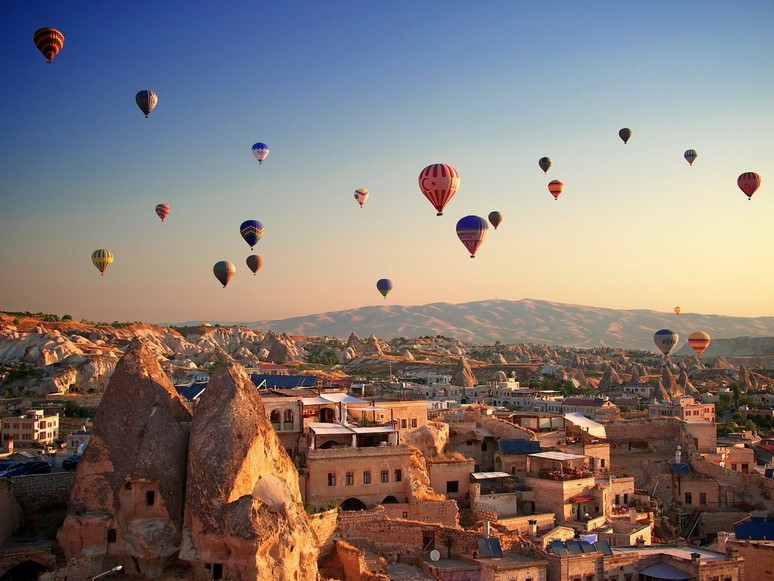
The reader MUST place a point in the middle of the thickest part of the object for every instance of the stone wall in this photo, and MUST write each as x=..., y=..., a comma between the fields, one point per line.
x=752, y=489
x=323, y=525
x=443, y=512
x=9, y=510
x=40, y=489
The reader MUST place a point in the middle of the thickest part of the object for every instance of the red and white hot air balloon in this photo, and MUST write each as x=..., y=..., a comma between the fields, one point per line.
x=555, y=187
x=439, y=183
x=748, y=182
x=163, y=210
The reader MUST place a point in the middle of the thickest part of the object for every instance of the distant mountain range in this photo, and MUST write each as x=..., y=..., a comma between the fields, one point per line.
x=523, y=321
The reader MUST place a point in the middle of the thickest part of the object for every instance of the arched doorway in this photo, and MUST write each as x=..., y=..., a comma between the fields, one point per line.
x=353, y=504
x=390, y=500
x=24, y=571
x=327, y=415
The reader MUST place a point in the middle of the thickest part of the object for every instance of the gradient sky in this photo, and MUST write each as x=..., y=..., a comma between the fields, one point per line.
x=351, y=94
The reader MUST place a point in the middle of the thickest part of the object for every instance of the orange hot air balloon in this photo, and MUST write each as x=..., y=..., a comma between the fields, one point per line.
x=49, y=42
x=699, y=341
x=677, y=310
x=748, y=182
x=439, y=182
x=555, y=187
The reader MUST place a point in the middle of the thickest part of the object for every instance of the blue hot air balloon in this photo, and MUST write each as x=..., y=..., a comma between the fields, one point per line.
x=471, y=230
x=665, y=340
x=384, y=286
x=260, y=151
x=251, y=231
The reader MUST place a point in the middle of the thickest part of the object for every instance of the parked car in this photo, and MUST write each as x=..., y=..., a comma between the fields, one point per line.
x=71, y=462
x=27, y=468
x=7, y=465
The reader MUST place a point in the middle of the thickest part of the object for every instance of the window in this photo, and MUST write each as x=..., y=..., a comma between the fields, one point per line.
x=150, y=497
x=349, y=478
x=331, y=479
x=111, y=535
x=367, y=477
x=289, y=416
x=413, y=422
x=404, y=424
x=452, y=486
x=601, y=462
x=688, y=498
x=274, y=417
x=702, y=498
x=385, y=476
x=398, y=475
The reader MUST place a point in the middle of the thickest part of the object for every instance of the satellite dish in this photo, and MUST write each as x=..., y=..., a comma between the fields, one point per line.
x=435, y=554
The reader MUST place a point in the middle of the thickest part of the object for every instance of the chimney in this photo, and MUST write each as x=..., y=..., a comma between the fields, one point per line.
x=487, y=528
x=533, y=528
x=695, y=557
x=722, y=538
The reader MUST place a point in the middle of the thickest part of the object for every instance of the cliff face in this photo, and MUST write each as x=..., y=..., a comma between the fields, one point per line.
x=243, y=504
x=156, y=486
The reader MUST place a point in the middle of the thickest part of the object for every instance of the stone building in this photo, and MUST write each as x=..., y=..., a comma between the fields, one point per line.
x=34, y=427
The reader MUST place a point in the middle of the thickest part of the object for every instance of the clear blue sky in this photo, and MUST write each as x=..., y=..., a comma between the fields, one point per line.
x=366, y=94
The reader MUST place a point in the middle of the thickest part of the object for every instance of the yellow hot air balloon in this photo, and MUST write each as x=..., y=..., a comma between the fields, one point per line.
x=677, y=310
x=699, y=341
x=102, y=259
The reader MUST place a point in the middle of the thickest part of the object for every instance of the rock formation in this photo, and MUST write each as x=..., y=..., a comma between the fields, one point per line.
x=126, y=504
x=610, y=379
x=243, y=512
x=463, y=374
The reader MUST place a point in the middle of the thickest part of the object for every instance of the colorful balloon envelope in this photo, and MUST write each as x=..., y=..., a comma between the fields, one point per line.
x=625, y=134
x=163, y=210
x=555, y=187
x=665, y=340
x=102, y=259
x=361, y=195
x=471, y=230
x=49, y=41
x=439, y=182
x=690, y=156
x=252, y=231
x=748, y=182
x=545, y=164
x=699, y=341
x=384, y=286
x=146, y=101
x=677, y=310
x=261, y=152
x=254, y=263
x=495, y=219
x=224, y=271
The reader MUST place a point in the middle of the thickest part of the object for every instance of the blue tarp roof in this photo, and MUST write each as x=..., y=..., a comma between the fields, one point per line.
x=681, y=468
x=756, y=528
x=519, y=447
x=282, y=381
x=191, y=392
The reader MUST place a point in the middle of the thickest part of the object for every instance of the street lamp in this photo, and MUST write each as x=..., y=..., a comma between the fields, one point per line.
x=116, y=569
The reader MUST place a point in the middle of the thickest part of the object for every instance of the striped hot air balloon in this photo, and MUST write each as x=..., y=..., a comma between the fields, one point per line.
x=471, y=230
x=163, y=210
x=690, y=156
x=146, y=101
x=699, y=341
x=555, y=187
x=261, y=152
x=49, y=41
x=666, y=340
x=749, y=182
x=102, y=259
x=361, y=195
x=439, y=183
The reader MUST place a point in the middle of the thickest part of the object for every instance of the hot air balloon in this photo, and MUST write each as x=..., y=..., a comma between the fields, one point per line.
x=224, y=271
x=495, y=218
x=439, y=183
x=146, y=101
x=252, y=231
x=545, y=164
x=748, y=182
x=699, y=341
x=384, y=286
x=254, y=263
x=163, y=210
x=677, y=310
x=471, y=230
x=361, y=195
x=625, y=134
x=49, y=42
x=690, y=156
x=665, y=340
x=555, y=187
x=102, y=259
x=261, y=152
